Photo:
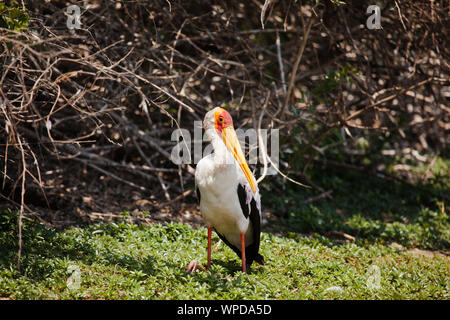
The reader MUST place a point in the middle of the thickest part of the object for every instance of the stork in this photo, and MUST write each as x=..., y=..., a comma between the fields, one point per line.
x=228, y=192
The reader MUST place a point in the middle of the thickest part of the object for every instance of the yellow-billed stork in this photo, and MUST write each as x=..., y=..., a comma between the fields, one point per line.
x=228, y=192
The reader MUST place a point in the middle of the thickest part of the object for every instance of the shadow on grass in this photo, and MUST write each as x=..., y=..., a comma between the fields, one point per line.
x=369, y=209
x=365, y=207
x=43, y=246
x=228, y=280
x=235, y=266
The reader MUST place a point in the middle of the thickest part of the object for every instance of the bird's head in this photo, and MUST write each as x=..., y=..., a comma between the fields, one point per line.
x=219, y=122
x=216, y=120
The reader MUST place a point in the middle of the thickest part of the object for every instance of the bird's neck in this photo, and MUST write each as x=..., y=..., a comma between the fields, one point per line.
x=222, y=156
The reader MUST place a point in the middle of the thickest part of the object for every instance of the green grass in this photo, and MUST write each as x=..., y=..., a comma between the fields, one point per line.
x=128, y=261
x=367, y=207
x=131, y=261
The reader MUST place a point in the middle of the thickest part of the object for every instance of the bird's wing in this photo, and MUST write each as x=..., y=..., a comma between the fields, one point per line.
x=251, y=208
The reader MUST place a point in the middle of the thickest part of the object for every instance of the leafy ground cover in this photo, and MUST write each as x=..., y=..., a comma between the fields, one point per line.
x=374, y=239
x=371, y=208
x=129, y=261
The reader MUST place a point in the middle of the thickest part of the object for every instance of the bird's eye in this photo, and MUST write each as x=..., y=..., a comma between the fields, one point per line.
x=220, y=120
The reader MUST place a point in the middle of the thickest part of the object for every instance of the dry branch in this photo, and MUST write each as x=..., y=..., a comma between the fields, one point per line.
x=108, y=97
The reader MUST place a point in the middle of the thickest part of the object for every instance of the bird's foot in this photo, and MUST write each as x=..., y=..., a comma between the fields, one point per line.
x=193, y=265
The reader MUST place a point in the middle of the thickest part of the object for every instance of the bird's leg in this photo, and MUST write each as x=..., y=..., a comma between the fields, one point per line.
x=193, y=265
x=243, y=252
x=209, y=248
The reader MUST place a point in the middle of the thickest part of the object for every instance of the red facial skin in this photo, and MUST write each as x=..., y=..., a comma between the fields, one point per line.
x=222, y=120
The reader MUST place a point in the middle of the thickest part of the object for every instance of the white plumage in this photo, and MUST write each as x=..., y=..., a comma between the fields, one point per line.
x=229, y=196
x=219, y=205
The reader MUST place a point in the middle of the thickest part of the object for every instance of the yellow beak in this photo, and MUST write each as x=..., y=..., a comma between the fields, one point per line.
x=231, y=141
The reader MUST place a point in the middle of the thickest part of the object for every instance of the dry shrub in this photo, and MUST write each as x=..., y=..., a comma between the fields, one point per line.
x=87, y=114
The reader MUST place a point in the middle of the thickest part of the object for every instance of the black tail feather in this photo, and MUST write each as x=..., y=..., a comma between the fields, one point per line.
x=251, y=252
x=260, y=259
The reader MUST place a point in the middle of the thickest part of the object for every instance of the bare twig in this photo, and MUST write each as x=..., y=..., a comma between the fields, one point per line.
x=296, y=65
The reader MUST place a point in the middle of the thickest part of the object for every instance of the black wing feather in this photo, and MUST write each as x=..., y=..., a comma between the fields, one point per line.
x=242, y=195
x=255, y=218
x=252, y=211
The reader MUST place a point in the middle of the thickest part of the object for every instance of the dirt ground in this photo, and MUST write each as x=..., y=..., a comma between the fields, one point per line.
x=77, y=195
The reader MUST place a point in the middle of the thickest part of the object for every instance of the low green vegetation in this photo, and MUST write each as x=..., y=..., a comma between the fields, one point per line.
x=373, y=239
x=369, y=208
x=129, y=261
x=13, y=17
